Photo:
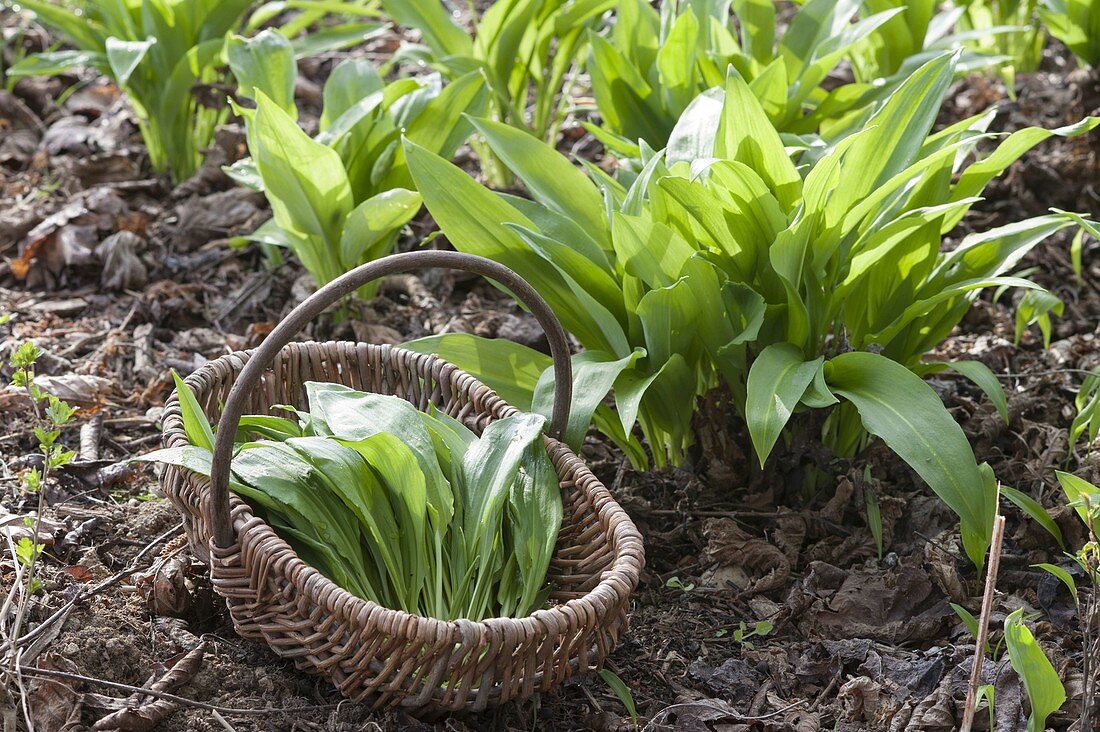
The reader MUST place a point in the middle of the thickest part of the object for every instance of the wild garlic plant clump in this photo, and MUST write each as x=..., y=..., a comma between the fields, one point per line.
x=812, y=284
x=406, y=508
x=341, y=198
x=160, y=52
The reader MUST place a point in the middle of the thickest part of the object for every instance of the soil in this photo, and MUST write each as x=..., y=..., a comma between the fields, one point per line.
x=854, y=641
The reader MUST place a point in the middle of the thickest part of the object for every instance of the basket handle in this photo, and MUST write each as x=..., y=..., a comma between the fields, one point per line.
x=316, y=303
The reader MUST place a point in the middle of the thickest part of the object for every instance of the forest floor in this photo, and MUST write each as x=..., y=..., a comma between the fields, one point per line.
x=131, y=277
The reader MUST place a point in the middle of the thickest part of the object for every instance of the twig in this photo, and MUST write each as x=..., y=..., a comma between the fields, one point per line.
x=222, y=721
x=983, y=622
x=231, y=711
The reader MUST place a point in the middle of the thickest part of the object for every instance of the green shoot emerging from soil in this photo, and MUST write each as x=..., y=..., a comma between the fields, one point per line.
x=49, y=414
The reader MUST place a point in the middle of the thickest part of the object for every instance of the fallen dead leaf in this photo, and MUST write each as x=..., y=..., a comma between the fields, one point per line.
x=122, y=267
x=736, y=557
x=140, y=716
x=77, y=389
x=55, y=705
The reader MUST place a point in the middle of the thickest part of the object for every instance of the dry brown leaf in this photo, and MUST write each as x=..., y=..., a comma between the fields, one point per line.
x=734, y=556
x=144, y=716
x=77, y=389
x=122, y=267
x=55, y=705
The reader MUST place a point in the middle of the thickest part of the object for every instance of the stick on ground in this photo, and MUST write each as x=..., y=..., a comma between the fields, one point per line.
x=983, y=621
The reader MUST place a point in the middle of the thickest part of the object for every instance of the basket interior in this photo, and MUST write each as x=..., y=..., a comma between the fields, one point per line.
x=586, y=546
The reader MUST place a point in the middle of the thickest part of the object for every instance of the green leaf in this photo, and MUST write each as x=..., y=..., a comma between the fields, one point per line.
x=1044, y=688
x=978, y=373
x=53, y=63
x=335, y=37
x=622, y=691
x=777, y=380
x=352, y=81
x=1084, y=497
x=125, y=56
x=433, y=21
x=1065, y=577
x=968, y=619
x=745, y=135
x=265, y=62
x=370, y=229
x=549, y=176
x=475, y=221
x=1035, y=510
x=896, y=406
x=306, y=185
x=509, y=369
x=594, y=374
x=195, y=423
x=491, y=466
x=535, y=510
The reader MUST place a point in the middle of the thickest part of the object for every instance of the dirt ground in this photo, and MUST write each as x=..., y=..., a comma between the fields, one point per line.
x=856, y=642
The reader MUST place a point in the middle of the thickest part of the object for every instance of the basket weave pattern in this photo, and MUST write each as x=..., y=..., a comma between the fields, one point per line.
x=389, y=657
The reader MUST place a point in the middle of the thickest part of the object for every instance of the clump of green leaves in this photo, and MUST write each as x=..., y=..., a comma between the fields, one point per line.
x=341, y=198
x=406, y=508
x=157, y=51
x=1075, y=23
x=807, y=286
x=921, y=30
x=653, y=64
x=528, y=51
x=1007, y=28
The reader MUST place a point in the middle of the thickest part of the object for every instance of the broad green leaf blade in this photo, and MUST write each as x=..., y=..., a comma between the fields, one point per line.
x=490, y=467
x=745, y=135
x=431, y=18
x=53, y=63
x=594, y=374
x=348, y=85
x=549, y=176
x=984, y=379
x=535, y=511
x=191, y=457
x=777, y=380
x=474, y=220
x=355, y=416
x=508, y=368
x=125, y=56
x=1083, y=496
x=898, y=407
x=306, y=185
x=371, y=228
x=1044, y=688
x=195, y=423
x=265, y=62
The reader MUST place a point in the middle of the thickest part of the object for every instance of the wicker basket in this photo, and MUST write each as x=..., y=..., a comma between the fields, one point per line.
x=371, y=653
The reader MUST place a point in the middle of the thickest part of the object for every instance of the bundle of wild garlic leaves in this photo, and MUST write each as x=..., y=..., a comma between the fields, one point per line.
x=409, y=509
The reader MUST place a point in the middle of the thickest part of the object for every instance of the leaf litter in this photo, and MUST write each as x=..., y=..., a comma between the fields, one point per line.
x=120, y=279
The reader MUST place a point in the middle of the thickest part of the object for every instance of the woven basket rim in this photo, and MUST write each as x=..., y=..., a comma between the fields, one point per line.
x=616, y=582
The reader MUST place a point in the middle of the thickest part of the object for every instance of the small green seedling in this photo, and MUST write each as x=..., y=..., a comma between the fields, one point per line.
x=676, y=583
x=743, y=633
x=1044, y=688
x=622, y=691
